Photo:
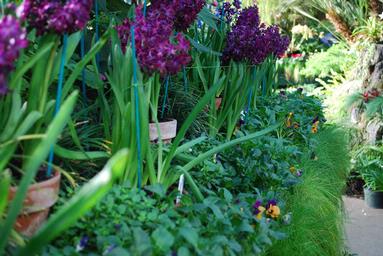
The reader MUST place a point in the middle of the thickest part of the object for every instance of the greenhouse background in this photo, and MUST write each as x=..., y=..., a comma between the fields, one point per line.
x=191, y=127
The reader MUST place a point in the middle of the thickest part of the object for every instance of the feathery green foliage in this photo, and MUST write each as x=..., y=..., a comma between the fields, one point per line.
x=316, y=204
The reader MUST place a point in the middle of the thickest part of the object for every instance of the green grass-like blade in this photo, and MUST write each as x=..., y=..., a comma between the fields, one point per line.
x=32, y=165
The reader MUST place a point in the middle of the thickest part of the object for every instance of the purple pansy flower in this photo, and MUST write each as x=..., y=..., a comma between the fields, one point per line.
x=271, y=202
x=256, y=206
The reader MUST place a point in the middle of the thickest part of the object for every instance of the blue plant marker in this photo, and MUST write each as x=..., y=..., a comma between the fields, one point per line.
x=222, y=16
x=264, y=86
x=250, y=96
x=144, y=11
x=97, y=30
x=58, y=97
x=186, y=85
x=83, y=77
x=165, y=96
x=249, y=100
x=136, y=97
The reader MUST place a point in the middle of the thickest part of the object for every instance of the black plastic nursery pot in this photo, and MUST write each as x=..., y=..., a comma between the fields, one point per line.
x=374, y=199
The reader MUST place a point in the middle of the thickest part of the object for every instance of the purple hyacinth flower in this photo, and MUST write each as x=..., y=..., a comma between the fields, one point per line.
x=158, y=49
x=54, y=16
x=13, y=38
x=252, y=41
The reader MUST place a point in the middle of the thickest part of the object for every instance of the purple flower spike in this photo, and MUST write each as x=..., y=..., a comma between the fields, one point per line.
x=185, y=11
x=252, y=41
x=158, y=49
x=54, y=16
x=12, y=41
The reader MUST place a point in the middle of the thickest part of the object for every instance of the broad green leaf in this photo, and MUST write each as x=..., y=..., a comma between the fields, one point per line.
x=79, y=155
x=190, y=235
x=163, y=238
x=5, y=183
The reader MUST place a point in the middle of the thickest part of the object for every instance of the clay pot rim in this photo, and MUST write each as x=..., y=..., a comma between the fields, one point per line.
x=168, y=120
x=56, y=178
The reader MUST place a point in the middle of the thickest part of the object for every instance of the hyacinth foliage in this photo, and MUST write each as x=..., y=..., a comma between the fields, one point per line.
x=161, y=48
x=33, y=73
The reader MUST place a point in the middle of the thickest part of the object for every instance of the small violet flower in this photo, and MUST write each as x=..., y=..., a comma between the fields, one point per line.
x=258, y=209
x=82, y=244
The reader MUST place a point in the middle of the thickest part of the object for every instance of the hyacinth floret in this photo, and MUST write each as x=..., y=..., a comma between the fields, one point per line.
x=60, y=17
x=13, y=38
x=252, y=41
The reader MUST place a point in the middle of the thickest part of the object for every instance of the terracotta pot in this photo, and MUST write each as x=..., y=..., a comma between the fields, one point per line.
x=218, y=102
x=168, y=131
x=40, y=198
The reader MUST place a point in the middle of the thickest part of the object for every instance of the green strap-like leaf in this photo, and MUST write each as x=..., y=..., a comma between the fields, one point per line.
x=79, y=155
x=32, y=165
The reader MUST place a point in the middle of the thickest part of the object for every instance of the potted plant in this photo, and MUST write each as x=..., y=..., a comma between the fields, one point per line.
x=370, y=167
x=249, y=68
x=35, y=61
x=162, y=51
